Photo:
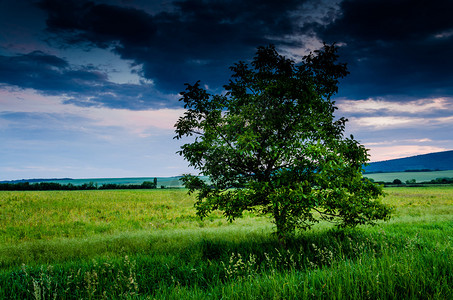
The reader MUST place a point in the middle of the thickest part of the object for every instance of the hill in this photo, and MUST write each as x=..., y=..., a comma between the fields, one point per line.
x=36, y=180
x=426, y=162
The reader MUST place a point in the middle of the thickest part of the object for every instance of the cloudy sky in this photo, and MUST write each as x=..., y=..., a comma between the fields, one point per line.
x=90, y=88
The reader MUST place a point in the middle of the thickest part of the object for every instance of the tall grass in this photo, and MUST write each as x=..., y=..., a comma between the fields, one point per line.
x=410, y=257
x=32, y=216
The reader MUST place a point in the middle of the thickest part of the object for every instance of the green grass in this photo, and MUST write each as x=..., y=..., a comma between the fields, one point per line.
x=148, y=245
x=32, y=216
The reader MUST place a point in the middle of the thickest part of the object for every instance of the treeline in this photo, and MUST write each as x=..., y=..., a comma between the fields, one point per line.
x=54, y=186
x=444, y=180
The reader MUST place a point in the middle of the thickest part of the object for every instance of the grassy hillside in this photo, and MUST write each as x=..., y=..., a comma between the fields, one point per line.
x=148, y=245
x=404, y=176
x=433, y=161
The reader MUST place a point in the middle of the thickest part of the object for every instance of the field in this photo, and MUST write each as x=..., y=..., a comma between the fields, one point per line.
x=161, y=181
x=148, y=244
x=174, y=182
x=403, y=176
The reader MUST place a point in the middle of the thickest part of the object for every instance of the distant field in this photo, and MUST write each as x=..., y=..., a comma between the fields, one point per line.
x=165, y=181
x=148, y=244
x=403, y=176
x=174, y=182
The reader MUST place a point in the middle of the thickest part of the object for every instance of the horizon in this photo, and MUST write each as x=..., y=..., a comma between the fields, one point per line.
x=177, y=176
x=90, y=89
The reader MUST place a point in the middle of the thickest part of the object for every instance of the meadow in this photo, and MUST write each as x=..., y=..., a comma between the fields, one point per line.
x=148, y=244
x=404, y=176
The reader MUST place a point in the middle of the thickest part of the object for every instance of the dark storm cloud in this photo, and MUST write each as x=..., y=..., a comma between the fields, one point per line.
x=99, y=24
x=394, y=48
x=44, y=72
x=82, y=85
x=195, y=40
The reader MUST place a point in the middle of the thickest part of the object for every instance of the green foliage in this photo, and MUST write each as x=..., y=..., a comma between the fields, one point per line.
x=443, y=180
x=411, y=181
x=272, y=145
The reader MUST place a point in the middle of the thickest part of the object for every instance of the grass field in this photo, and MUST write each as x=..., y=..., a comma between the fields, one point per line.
x=148, y=244
x=404, y=176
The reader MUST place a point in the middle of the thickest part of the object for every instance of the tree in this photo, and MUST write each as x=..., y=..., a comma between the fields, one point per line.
x=270, y=144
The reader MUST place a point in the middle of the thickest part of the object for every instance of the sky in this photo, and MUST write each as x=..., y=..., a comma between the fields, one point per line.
x=90, y=89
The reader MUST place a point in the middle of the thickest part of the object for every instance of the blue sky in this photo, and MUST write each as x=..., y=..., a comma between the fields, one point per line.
x=90, y=88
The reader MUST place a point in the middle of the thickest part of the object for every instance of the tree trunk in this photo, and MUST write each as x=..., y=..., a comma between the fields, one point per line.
x=283, y=228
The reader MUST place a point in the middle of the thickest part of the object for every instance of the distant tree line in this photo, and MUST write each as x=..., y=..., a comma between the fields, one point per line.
x=54, y=186
x=444, y=180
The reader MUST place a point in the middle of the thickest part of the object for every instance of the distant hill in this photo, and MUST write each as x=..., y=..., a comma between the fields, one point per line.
x=35, y=180
x=426, y=162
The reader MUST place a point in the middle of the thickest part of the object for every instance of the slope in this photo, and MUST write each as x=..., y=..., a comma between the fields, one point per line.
x=432, y=161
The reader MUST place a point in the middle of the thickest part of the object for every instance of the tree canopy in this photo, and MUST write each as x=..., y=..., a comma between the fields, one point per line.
x=271, y=144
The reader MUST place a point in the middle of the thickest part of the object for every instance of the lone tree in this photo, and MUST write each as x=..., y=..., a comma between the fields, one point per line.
x=271, y=144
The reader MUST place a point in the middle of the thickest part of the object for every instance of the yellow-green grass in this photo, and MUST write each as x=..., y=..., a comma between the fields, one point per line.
x=47, y=215
x=420, y=204
x=53, y=226
x=44, y=215
x=149, y=245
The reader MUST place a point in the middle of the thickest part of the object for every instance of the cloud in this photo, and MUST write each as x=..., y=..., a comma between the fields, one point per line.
x=401, y=141
x=380, y=114
x=380, y=153
x=444, y=34
x=393, y=129
x=165, y=47
x=43, y=137
x=169, y=45
x=394, y=48
x=387, y=122
x=399, y=148
x=398, y=122
x=98, y=23
x=27, y=108
x=382, y=106
x=80, y=85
